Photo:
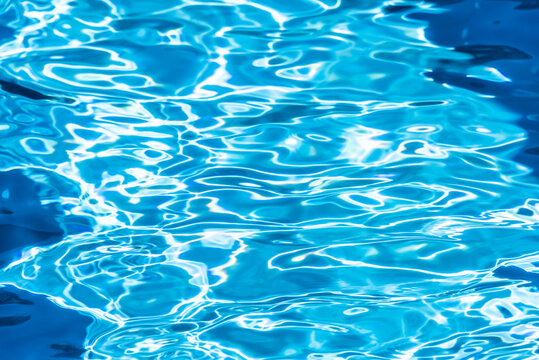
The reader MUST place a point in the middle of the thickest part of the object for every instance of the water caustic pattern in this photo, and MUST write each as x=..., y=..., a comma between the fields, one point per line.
x=267, y=180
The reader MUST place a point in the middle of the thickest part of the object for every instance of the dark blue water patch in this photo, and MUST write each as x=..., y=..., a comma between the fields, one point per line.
x=499, y=34
x=526, y=4
x=6, y=33
x=484, y=53
x=24, y=221
x=33, y=328
x=13, y=88
x=17, y=89
x=392, y=9
x=515, y=273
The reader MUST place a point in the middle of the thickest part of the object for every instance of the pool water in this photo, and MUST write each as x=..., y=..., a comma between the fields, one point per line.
x=307, y=179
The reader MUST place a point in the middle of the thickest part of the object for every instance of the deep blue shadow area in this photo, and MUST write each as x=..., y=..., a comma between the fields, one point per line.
x=500, y=34
x=23, y=220
x=32, y=327
x=515, y=273
x=13, y=88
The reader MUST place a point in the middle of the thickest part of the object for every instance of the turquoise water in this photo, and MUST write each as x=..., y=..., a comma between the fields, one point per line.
x=267, y=180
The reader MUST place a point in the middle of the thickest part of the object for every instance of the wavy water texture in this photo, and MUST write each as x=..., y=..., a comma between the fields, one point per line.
x=267, y=180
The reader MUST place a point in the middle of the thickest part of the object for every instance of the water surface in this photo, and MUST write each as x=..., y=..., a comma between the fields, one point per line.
x=271, y=180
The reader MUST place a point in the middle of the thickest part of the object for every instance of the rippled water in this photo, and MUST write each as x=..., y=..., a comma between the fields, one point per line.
x=267, y=180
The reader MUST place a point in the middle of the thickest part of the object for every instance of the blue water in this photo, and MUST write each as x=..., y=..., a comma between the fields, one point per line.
x=308, y=179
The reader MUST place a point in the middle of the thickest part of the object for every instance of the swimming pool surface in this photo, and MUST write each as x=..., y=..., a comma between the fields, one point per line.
x=303, y=179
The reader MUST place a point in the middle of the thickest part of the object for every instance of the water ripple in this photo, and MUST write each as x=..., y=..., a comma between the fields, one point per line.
x=267, y=180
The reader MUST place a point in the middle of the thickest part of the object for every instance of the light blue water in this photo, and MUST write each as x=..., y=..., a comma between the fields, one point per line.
x=268, y=180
